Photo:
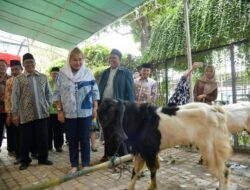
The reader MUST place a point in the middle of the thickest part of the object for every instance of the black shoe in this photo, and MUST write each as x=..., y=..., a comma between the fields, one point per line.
x=45, y=162
x=59, y=150
x=23, y=166
x=17, y=161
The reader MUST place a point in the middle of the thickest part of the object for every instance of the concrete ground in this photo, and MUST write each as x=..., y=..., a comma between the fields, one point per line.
x=179, y=171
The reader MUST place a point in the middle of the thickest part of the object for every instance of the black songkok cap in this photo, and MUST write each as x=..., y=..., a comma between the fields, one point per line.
x=28, y=56
x=14, y=63
x=116, y=52
x=54, y=69
x=146, y=65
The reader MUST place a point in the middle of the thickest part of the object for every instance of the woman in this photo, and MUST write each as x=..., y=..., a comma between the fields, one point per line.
x=181, y=94
x=76, y=94
x=206, y=88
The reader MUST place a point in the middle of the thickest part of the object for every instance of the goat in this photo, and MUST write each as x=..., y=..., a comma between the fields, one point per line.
x=238, y=117
x=149, y=129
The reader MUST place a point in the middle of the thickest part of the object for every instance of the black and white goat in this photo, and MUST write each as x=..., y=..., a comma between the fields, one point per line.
x=149, y=129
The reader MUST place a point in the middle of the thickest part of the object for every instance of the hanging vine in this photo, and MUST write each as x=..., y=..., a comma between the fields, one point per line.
x=212, y=23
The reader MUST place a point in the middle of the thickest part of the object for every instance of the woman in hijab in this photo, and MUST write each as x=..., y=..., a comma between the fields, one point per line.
x=76, y=94
x=205, y=89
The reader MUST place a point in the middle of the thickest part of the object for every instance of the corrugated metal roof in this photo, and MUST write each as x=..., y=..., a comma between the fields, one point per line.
x=62, y=23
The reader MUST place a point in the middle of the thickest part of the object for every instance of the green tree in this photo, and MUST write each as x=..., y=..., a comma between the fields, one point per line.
x=96, y=58
x=143, y=18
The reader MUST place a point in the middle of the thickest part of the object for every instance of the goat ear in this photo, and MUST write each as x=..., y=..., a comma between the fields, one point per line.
x=119, y=121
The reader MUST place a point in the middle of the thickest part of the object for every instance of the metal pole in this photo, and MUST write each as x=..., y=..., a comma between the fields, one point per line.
x=234, y=93
x=20, y=47
x=166, y=77
x=58, y=180
x=188, y=43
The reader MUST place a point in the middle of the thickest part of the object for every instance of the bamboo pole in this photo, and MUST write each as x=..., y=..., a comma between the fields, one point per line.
x=58, y=180
x=188, y=43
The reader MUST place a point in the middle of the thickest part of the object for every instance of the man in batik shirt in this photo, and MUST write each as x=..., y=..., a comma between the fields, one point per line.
x=3, y=78
x=13, y=132
x=145, y=87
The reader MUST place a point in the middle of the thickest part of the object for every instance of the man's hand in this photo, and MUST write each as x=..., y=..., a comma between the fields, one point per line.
x=15, y=120
x=8, y=119
x=60, y=116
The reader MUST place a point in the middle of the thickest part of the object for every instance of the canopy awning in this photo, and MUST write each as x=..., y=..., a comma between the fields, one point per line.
x=62, y=23
x=7, y=57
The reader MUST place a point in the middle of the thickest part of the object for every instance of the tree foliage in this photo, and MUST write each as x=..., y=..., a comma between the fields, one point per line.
x=96, y=55
x=96, y=58
x=143, y=18
x=212, y=23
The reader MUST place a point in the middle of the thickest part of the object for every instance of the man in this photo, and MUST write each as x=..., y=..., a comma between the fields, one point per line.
x=3, y=79
x=145, y=87
x=116, y=82
x=13, y=133
x=30, y=106
x=55, y=128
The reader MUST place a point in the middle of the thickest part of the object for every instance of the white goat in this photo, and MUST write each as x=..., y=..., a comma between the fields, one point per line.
x=238, y=117
x=205, y=126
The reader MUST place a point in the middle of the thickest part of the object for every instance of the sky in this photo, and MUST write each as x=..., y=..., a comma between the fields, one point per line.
x=120, y=38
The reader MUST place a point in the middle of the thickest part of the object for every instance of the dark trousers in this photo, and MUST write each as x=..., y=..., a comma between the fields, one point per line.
x=77, y=131
x=2, y=123
x=27, y=131
x=17, y=141
x=10, y=137
x=55, y=132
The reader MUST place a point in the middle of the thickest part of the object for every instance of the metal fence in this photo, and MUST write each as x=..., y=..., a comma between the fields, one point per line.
x=222, y=62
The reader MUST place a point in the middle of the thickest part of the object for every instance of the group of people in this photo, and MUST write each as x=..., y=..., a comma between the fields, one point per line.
x=25, y=103
x=36, y=110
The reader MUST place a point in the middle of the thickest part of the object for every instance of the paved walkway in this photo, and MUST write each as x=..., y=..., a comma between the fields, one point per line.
x=179, y=171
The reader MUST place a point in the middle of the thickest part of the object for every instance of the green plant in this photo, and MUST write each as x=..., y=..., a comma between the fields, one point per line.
x=212, y=23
